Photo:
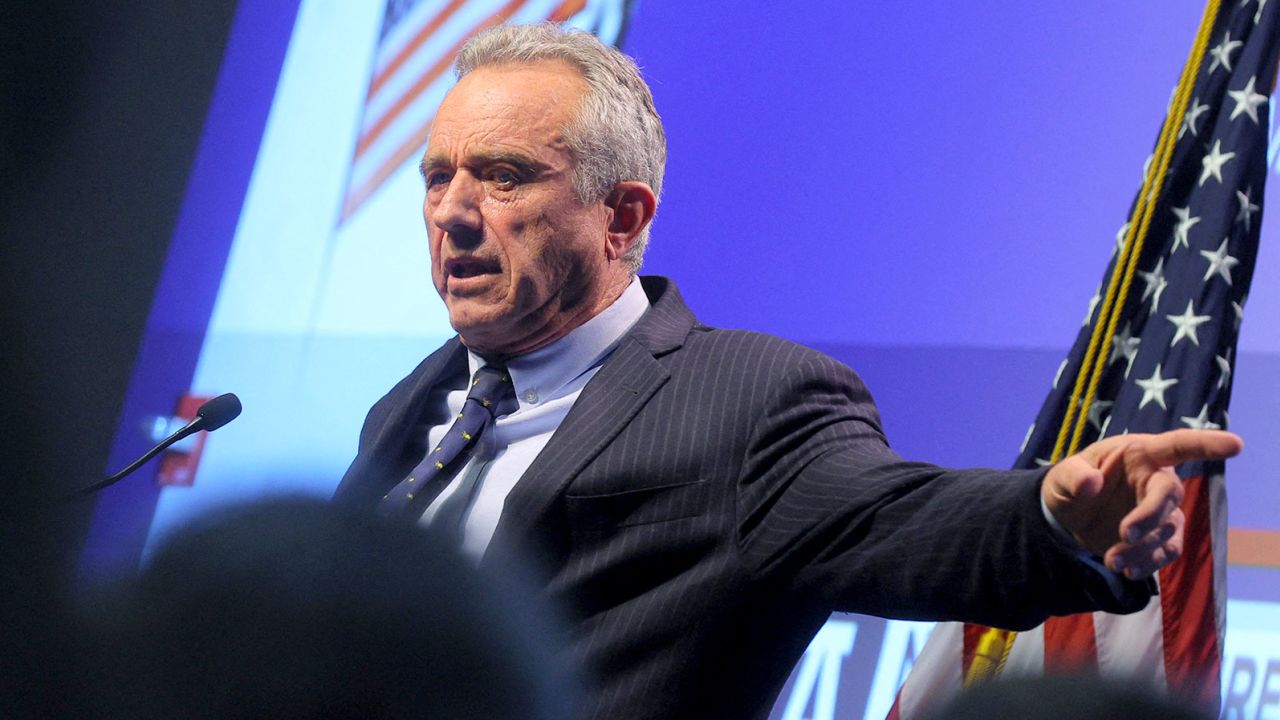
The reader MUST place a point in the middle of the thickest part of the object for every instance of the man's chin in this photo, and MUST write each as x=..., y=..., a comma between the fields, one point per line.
x=478, y=321
x=475, y=307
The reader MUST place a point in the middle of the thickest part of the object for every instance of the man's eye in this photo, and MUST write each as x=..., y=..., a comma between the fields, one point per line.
x=504, y=179
x=437, y=178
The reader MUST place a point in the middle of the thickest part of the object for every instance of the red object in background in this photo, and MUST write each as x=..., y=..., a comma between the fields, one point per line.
x=178, y=467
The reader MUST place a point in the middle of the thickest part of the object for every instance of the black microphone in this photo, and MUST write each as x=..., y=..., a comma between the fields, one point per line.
x=211, y=416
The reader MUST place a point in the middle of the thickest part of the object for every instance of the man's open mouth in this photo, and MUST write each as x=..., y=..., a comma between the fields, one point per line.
x=463, y=268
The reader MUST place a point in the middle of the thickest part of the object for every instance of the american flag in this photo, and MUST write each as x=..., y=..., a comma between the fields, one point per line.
x=1164, y=354
x=411, y=72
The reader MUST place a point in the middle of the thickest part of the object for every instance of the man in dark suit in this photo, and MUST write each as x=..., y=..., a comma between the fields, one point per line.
x=696, y=500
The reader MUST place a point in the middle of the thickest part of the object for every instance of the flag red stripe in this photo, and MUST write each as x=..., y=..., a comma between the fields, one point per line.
x=567, y=9
x=972, y=634
x=1070, y=644
x=444, y=63
x=1192, y=653
x=412, y=46
x=357, y=197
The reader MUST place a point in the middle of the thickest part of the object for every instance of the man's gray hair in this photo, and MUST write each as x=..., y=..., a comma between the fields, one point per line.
x=616, y=135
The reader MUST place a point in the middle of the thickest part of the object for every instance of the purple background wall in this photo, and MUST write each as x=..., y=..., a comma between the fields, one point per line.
x=925, y=191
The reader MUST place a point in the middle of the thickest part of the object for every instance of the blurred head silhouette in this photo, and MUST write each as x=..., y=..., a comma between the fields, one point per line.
x=298, y=609
x=1079, y=697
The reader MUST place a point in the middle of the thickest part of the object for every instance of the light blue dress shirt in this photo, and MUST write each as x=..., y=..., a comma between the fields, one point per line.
x=547, y=383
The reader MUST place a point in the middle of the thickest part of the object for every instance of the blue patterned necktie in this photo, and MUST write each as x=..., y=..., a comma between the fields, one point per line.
x=492, y=394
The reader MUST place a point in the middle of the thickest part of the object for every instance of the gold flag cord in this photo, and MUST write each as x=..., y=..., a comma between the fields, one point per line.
x=1117, y=290
x=994, y=645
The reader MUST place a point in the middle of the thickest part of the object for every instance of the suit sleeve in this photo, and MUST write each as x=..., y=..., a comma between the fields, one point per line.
x=828, y=512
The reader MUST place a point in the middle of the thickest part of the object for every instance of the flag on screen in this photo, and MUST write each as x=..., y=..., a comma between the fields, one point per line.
x=412, y=72
x=1163, y=356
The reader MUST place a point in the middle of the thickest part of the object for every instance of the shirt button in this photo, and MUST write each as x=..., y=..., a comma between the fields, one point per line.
x=531, y=396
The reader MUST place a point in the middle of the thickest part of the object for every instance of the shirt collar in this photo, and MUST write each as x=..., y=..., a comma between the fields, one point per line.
x=541, y=375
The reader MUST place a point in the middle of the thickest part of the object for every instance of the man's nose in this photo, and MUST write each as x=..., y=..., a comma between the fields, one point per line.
x=457, y=210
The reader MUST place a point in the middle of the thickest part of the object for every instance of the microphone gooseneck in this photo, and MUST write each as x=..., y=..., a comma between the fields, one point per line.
x=209, y=417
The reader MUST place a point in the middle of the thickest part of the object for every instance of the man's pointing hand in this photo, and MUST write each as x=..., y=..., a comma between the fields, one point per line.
x=1120, y=497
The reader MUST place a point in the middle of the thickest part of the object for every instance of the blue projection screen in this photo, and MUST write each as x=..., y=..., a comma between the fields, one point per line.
x=927, y=191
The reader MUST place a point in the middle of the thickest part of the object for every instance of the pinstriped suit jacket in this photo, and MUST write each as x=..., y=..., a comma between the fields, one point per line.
x=715, y=494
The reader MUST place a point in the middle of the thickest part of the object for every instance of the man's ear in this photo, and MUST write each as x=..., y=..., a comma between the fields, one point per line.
x=633, y=204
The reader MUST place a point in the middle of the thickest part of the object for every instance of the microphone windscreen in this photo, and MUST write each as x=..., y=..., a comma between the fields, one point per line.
x=219, y=411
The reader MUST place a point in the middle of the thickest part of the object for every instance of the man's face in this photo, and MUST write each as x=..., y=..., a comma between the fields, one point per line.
x=518, y=259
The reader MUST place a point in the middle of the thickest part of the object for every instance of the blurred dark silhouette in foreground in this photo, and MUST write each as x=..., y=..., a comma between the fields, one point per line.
x=1067, y=698
x=296, y=609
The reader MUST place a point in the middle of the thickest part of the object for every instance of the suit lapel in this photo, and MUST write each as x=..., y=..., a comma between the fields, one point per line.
x=383, y=462
x=440, y=365
x=606, y=405
x=628, y=379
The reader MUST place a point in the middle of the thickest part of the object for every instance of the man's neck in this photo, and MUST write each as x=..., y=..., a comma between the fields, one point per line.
x=549, y=335
x=585, y=342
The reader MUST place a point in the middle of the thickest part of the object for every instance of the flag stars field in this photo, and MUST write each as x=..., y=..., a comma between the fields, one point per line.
x=1212, y=162
x=1155, y=284
x=1224, y=368
x=1106, y=428
x=1182, y=232
x=1097, y=410
x=1192, y=116
x=1247, y=208
x=1153, y=389
x=1120, y=235
x=1186, y=325
x=1247, y=101
x=1201, y=421
x=1093, y=306
x=1221, y=53
x=1220, y=263
x=1124, y=345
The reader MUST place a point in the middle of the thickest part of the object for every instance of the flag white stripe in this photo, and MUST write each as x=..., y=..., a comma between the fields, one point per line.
x=447, y=36
x=462, y=23
x=1217, y=492
x=414, y=116
x=1026, y=659
x=938, y=671
x=1132, y=646
x=404, y=32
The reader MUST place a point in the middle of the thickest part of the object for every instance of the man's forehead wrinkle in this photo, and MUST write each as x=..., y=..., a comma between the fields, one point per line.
x=494, y=145
x=492, y=148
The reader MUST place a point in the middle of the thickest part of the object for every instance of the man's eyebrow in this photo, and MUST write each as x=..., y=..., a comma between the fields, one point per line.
x=508, y=157
x=512, y=158
x=430, y=161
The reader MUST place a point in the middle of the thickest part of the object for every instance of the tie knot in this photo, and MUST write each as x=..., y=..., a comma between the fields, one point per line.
x=492, y=389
